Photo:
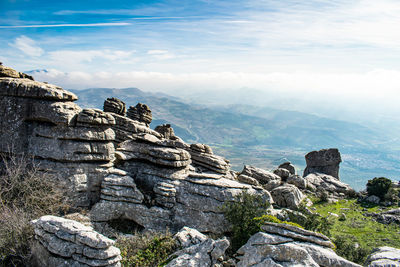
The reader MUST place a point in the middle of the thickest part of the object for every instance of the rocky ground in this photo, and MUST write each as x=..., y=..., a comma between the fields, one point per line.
x=111, y=164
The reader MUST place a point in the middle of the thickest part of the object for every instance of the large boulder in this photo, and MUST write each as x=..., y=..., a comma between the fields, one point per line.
x=63, y=242
x=141, y=113
x=326, y=184
x=384, y=257
x=288, y=166
x=324, y=161
x=287, y=196
x=257, y=176
x=203, y=156
x=115, y=105
x=285, y=245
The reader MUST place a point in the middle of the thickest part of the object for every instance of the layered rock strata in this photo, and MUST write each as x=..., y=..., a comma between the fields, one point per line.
x=384, y=257
x=141, y=113
x=202, y=155
x=285, y=245
x=63, y=242
x=324, y=161
x=115, y=105
x=72, y=143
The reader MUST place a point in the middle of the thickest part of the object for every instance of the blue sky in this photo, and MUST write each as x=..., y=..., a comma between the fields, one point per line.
x=342, y=50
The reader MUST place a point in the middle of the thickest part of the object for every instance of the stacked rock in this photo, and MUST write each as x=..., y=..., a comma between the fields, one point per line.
x=202, y=155
x=166, y=130
x=64, y=242
x=115, y=105
x=140, y=112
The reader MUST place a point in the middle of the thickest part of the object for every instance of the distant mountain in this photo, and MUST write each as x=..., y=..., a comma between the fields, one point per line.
x=263, y=136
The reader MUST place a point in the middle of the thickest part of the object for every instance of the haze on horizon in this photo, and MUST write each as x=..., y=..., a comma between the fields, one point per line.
x=333, y=58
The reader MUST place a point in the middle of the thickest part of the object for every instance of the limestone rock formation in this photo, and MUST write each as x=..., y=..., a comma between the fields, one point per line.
x=203, y=156
x=75, y=145
x=285, y=245
x=115, y=105
x=328, y=184
x=325, y=161
x=387, y=217
x=166, y=131
x=201, y=251
x=64, y=242
x=283, y=173
x=141, y=113
x=287, y=196
x=257, y=176
x=9, y=72
x=384, y=257
x=288, y=166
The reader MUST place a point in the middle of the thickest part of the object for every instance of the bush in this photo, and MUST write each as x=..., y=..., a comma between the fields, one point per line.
x=378, y=186
x=348, y=248
x=270, y=218
x=312, y=221
x=241, y=213
x=392, y=195
x=146, y=250
x=25, y=194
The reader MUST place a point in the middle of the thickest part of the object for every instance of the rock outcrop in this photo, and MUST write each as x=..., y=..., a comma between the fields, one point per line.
x=286, y=245
x=322, y=183
x=63, y=242
x=203, y=156
x=141, y=113
x=287, y=196
x=198, y=250
x=325, y=161
x=257, y=176
x=115, y=105
x=288, y=166
x=387, y=217
x=384, y=257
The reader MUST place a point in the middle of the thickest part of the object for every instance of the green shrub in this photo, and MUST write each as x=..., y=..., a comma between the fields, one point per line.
x=378, y=186
x=270, y=218
x=392, y=195
x=25, y=194
x=312, y=221
x=348, y=247
x=240, y=213
x=142, y=250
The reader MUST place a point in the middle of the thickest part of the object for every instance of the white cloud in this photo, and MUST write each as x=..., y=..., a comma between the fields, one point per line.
x=160, y=54
x=107, y=24
x=28, y=46
x=74, y=57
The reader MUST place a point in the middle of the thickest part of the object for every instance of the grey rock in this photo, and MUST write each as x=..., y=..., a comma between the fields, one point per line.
x=141, y=113
x=383, y=257
x=91, y=116
x=287, y=196
x=166, y=131
x=120, y=188
x=283, y=173
x=324, y=161
x=298, y=181
x=284, y=245
x=114, y=105
x=373, y=199
x=387, y=217
x=288, y=166
x=64, y=242
x=319, y=182
x=206, y=253
x=188, y=237
x=267, y=179
x=31, y=89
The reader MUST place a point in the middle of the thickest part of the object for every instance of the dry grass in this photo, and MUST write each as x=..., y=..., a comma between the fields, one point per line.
x=25, y=194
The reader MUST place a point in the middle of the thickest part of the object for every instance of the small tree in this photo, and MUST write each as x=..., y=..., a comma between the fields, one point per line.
x=240, y=213
x=378, y=186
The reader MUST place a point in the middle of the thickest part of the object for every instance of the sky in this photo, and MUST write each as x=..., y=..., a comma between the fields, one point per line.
x=342, y=54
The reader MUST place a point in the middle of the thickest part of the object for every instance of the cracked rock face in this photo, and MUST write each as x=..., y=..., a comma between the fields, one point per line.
x=257, y=176
x=383, y=256
x=287, y=196
x=336, y=189
x=285, y=245
x=64, y=242
x=324, y=161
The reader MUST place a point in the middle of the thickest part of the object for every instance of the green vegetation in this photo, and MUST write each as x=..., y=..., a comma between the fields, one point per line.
x=357, y=235
x=142, y=250
x=25, y=194
x=241, y=214
x=269, y=218
x=378, y=186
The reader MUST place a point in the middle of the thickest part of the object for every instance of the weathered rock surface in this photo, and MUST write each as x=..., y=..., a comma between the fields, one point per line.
x=203, y=156
x=166, y=131
x=323, y=161
x=9, y=72
x=114, y=105
x=43, y=122
x=387, y=217
x=64, y=242
x=141, y=113
x=288, y=166
x=283, y=173
x=287, y=196
x=284, y=245
x=200, y=251
x=384, y=257
x=298, y=181
x=255, y=176
x=318, y=182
